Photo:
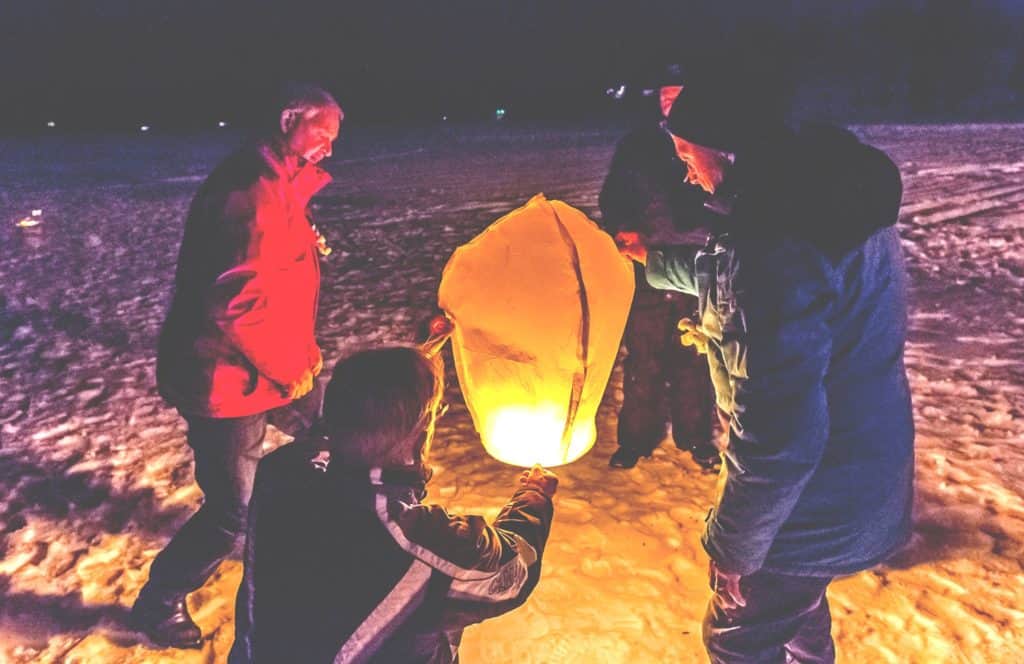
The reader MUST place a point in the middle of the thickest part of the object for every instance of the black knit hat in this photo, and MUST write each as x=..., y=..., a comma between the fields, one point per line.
x=728, y=107
x=713, y=115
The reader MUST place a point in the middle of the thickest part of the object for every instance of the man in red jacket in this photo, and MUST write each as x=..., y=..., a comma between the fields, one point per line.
x=238, y=349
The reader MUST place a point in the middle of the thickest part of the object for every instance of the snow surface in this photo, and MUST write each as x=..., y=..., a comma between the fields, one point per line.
x=95, y=474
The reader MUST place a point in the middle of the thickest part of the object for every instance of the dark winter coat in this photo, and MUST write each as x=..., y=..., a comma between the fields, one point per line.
x=351, y=567
x=240, y=326
x=802, y=291
x=645, y=189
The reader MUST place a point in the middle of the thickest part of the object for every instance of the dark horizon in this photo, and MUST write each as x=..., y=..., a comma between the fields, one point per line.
x=117, y=65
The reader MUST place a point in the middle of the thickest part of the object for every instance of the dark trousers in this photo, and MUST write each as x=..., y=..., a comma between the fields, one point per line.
x=226, y=452
x=786, y=619
x=662, y=379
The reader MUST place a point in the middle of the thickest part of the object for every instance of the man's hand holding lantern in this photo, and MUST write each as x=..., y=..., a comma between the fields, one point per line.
x=632, y=245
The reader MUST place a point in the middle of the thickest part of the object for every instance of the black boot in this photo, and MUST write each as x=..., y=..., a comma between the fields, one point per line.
x=165, y=620
x=708, y=458
x=624, y=457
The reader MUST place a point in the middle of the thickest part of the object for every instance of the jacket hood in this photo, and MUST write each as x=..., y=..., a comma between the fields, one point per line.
x=821, y=184
x=854, y=189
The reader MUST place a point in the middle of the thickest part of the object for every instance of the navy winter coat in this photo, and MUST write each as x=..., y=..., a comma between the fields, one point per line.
x=802, y=292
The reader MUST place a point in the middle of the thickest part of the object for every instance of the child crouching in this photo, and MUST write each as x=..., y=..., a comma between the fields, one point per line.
x=343, y=563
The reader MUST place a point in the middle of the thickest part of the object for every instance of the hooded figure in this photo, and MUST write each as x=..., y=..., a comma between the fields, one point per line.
x=802, y=292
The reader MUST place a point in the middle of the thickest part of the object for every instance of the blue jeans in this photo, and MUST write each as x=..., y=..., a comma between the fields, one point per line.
x=226, y=452
x=786, y=619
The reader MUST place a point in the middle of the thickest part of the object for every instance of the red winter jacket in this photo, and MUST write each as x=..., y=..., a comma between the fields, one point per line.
x=240, y=326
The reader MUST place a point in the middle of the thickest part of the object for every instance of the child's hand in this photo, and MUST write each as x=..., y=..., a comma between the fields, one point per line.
x=543, y=480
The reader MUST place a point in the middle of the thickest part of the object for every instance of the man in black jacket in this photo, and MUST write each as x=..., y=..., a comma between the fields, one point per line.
x=645, y=190
x=343, y=560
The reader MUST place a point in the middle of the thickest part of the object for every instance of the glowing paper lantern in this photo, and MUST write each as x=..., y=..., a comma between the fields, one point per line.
x=539, y=301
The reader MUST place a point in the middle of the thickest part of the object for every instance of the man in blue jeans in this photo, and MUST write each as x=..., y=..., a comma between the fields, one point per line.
x=802, y=292
x=237, y=350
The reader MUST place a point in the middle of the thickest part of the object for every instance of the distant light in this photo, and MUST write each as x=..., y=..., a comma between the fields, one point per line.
x=222, y=124
x=30, y=221
x=444, y=118
x=649, y=91
x=144, y=128
x=617, y=92
x=499, y=114
x=51, y=124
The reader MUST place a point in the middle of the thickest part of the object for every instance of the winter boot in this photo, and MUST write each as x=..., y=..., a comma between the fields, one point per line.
x=707, y=457
x=625, y=457
x=165, y=620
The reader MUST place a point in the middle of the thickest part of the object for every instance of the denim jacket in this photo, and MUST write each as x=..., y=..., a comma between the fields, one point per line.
x=806, y=356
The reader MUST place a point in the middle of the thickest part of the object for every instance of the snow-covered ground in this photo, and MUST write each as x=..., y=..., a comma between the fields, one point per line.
x=95, y=474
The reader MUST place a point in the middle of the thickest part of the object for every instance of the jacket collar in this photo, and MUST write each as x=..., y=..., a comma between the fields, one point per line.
x=306, y=179
x=407, y=478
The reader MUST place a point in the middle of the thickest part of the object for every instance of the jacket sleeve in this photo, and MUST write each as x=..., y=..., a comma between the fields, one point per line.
x=673, y=268
x=493, y=567
x=780, y=422
x=248, y=301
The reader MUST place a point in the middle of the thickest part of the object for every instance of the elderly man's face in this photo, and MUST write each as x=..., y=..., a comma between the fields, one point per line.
x=704, y=167
x=311, y=136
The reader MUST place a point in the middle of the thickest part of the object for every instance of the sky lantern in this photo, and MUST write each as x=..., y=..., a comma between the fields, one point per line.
x=538, y=303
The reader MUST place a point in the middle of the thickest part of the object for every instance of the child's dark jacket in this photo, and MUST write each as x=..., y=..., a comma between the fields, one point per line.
x=350, y=566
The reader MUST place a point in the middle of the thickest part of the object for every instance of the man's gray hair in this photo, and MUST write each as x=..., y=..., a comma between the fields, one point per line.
x=301, y=98
x=306, y=99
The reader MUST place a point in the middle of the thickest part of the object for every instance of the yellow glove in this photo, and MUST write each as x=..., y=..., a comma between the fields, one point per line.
x=691, y=336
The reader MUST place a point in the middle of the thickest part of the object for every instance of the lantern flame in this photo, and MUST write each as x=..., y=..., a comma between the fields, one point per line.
x=526, y=435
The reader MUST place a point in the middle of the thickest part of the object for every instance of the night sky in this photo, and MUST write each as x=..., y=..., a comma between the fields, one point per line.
x=117, y=63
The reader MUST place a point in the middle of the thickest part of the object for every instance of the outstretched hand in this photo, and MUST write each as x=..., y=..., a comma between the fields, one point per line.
x=541, y=479
x=632, y=245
